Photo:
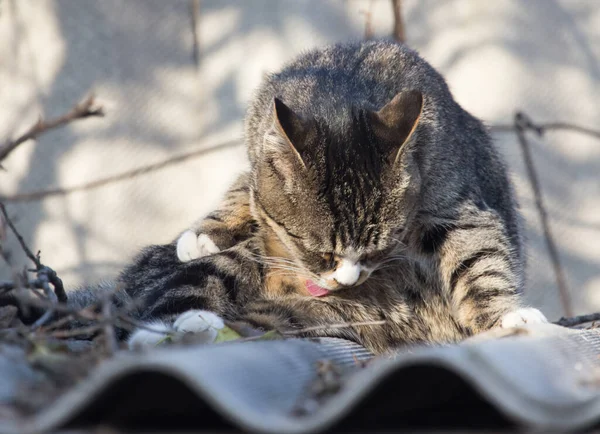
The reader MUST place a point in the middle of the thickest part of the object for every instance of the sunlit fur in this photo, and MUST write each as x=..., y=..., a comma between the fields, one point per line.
x=431, y=218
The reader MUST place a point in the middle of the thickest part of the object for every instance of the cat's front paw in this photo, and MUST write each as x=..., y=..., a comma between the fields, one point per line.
x=191, y=246
x=205, y=325
x=519, y=317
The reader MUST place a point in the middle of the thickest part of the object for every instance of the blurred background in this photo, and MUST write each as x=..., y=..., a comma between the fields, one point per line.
x=174, y=79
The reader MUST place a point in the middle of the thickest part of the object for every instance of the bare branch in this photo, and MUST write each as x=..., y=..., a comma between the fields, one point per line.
x=333, y=326
x=80, y=111
x=522, y=123
x=251, y=334
x=3, y=235
x=45, y=275
x=9, y=285
x=102, y=320
x=87, y=313
x=109, y=328
x=56, y=282
x=195, y=17
x=81, y=331
x=398, y=33
x=36, y=195
x=368, y=14
x=26, y=249
x=47, y=316
x=540, y=129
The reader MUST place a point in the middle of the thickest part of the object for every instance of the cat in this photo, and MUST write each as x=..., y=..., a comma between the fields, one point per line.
x=371, y=196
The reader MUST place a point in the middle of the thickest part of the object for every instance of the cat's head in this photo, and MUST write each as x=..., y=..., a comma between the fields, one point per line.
x=338, y=192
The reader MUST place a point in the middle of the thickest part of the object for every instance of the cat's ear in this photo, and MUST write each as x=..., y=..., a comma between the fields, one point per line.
x=288, y=132
x=396, y=122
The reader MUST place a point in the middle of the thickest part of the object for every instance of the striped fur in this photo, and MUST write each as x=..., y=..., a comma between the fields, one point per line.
x=423, y=199
x=232, y=221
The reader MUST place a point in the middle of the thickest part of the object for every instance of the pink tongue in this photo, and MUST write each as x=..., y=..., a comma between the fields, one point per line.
x=315, y=289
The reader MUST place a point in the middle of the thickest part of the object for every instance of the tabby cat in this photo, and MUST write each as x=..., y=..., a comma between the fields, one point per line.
x=372, y=196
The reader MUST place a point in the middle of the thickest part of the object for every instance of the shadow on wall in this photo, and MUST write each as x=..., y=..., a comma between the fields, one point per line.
x=139, y=54
x=138, y=57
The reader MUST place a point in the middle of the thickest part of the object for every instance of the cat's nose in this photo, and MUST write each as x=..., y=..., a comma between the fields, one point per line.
x=347, y=273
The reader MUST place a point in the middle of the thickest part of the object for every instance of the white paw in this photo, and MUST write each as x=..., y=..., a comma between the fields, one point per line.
x=143, y=338
x=204, y=324
x=519, y=317
x=191, y=246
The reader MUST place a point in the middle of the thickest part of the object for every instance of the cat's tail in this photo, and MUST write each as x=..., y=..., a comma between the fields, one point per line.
x=86, y=296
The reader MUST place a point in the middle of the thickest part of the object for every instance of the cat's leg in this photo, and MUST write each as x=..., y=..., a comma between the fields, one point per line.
x=203, y=323
x=189, y=297
x=229, y=285
x=223, y=228
x=483, y=272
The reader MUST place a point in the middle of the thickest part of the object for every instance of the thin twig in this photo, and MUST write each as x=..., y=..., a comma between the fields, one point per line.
x=332, y=326
x=86, y=313
x=109, y=328
x=9, y=285
x=398, y=33
x=63, y=191
x=118, y=317
x=14, y=230
x=81, y=331
x=44, y=319
x=102, y=324
x=577, y=320
x=49, y=314
x=540, y=129
x=80, y=111
x=139, y=324
x=277, y=334
x=368, y=14
x=56, y=282
x=522, y=123
x=195, y=16
x=3, y=238
x=61, y=308
x=45, y=274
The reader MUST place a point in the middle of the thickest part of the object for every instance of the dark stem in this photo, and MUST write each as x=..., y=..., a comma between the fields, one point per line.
x=63, y=191
x=521, y=125
x=368, y=13
x=45, y=275
x=195, y=17
x=14, y=230
x=398, y=32
x=80, y=111
x=540, y=129
x=109, y=329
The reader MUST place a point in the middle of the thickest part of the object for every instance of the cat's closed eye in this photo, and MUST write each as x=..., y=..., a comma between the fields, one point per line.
x=329, y=258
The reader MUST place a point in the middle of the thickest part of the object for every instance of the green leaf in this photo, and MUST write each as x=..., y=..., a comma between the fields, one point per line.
x=166, y=340
x=227, y=334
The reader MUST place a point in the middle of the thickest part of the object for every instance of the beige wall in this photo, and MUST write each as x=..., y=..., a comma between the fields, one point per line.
x=498, y=56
